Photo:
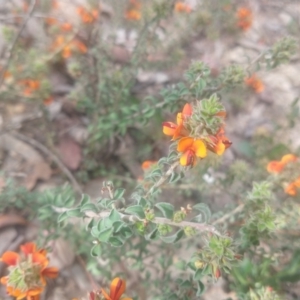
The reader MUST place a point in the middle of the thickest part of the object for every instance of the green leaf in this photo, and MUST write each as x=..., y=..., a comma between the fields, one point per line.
x=205, y=212
x=114, y=216
x=75, y=212
x=174, y=177
x=95, y=232
x=116, y=241
x=118, y=194
x=186, y=284
x=62, y=217
x=104, y=224
x=105, y=234
x=96, y=250
x=136, y=210
x=142, y=202
x=84, y=200
x=198, y=274
x=173, y=238
x=152, y=235
x=90, y=225
x=125, y=232
x=200, y=289
x=89, y=207
x=166, y=209
x=118, y=225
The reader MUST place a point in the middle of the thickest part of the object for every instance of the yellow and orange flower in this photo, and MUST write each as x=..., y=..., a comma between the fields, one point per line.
x=27, y=272
x=178, y=130
x=30, y=86
x=255, y=83
x=133, y=11
x=191, y=149
x=117, y=289
x=68, y=47
x=87, y=16
x=276, y=166
x=244, y=18
x=182, y=7
x=218, y=143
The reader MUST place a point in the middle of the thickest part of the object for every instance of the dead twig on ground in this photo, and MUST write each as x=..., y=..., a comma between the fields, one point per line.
x=14, y=42
x=53, y=157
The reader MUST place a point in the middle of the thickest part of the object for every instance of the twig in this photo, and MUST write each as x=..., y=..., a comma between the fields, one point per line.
x=230, y=214
x=200, y=227
x=53, y=157
x=89, y=276
x=163, y=178
x=256, y=59
x=14, y=42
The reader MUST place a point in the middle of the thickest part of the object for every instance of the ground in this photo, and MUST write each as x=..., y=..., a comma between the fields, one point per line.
x=26, y=128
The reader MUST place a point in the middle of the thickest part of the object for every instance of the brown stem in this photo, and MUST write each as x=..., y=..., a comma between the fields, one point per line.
x=14, y=42
x=163, y=178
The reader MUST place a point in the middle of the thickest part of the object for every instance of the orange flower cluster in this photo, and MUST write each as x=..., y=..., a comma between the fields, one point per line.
x=277, y=167
x=182, y=7
x=27, y=272
x=30, y=86
x=244, y=18
x=66, y=27
x=117, y=289
x=68, y=48
x=190, y=147
x=255, y=83
x=86, y=16
x=133, y=11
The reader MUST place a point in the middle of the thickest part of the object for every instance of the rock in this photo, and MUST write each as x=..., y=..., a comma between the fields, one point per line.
x=62, y=255
x=7, y=236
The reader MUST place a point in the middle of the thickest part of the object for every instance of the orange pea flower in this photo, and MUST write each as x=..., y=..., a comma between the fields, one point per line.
x=133, y=11
x=276, y=166
x=66, y=26
x=68, y=47
x=30, y=86
x=147, y=164
x=218, y=143
x=191, y=149
x=86, y=16
x=50, y=21
x=48, y=101
x=288, y=158
x=27, y=272
x=117, y=289
x=255, y=83
x=244, y=18
x=291, y=189
x=182, y=7
x=178, y=130
x=80, y=46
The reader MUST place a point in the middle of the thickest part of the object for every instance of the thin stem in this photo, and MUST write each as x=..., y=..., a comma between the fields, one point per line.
x=14, y=42
x=200, y=227
x=53, y=157
x=230, y=214
x=163, y=178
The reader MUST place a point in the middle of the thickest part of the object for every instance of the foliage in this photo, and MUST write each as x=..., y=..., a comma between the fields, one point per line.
x=176, y=250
